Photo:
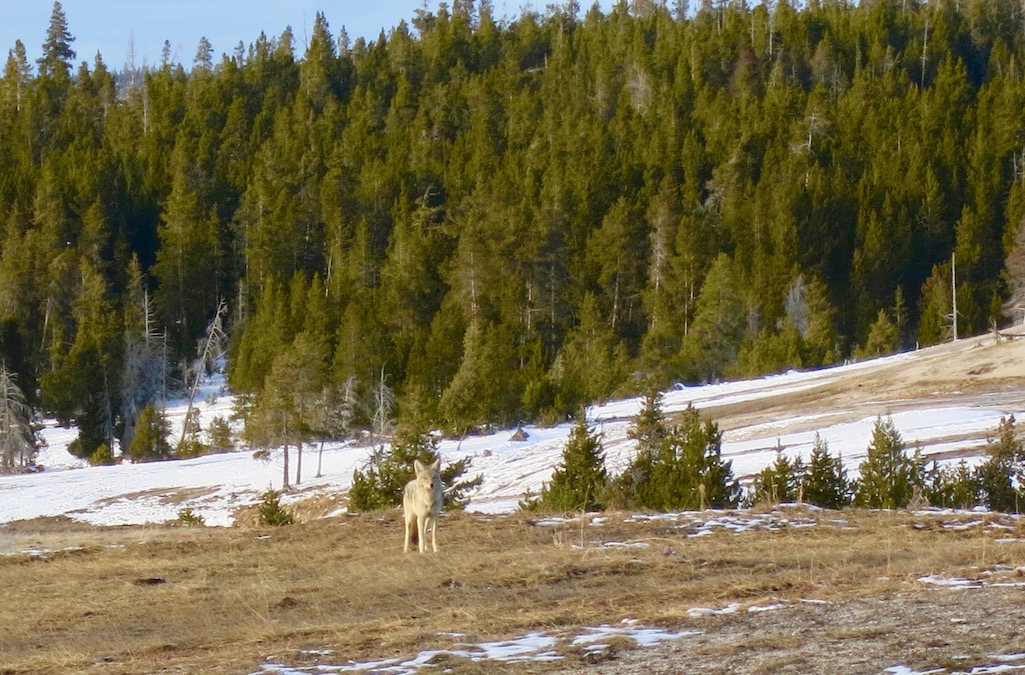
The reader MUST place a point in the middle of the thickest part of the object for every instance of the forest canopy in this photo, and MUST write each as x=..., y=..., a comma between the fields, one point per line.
x=475, y=220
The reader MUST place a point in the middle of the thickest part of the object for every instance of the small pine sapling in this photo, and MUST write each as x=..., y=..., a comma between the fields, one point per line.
x=379, y=484
x=578, y=483
x=648, y=432
x=189, y=518
x=779, y=482
x=1000, y=476
x=272, y=512
x=888, y=475
x=826, y=484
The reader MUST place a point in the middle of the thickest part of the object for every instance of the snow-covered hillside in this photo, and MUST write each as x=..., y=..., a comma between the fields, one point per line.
x=756, y=415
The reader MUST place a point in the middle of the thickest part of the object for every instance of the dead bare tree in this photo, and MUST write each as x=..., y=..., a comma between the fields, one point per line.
x=211, y=348
x=17, y=440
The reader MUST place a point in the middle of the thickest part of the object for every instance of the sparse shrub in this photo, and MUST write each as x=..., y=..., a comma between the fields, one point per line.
x=953, y=486
x=367, y=492
x=780, y=481
x=457, y=496
x=888, y=475
x=102, y=456
x=189, y=518
x=271, y=510
x=191, y=447
x=75, y=449
x=579, y=482
x=826, y=483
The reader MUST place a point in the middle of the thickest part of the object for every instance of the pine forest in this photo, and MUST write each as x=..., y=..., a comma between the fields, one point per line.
x=476, y=220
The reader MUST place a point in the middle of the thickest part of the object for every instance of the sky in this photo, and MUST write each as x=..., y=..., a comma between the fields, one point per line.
x=111, y=26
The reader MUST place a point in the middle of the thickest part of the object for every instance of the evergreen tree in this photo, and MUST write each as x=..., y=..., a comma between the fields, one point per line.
x=935, y=307
x=17, y=78
x=379, y=484
x=188, y=252
x=220, y=436
x=485, y=390
x=718, y=327
x=203, y=61
x=578, y=483
x=888, y=475
x=882, y=338
x=57, y=52
x=149, y=443
x=821, y=340
x=266, y=333
x=779, y=482
x=617, y=251
x=591, y=363
x=272, y=512
x=688, y=471
x=826, y=484
x=953, y=486
x=286, y=410
x=648, y=431
x=81, y=385
x=102, y=456
x=1001, y=476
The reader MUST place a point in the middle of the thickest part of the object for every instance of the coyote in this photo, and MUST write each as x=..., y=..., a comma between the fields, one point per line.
x=422, y=502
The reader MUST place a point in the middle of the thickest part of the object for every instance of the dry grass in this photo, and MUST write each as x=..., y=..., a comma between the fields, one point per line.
x=143, y=600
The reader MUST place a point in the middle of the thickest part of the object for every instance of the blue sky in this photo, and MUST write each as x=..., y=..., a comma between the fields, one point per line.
x=110, y=26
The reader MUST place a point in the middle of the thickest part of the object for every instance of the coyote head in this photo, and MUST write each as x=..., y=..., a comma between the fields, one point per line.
x=428, y=477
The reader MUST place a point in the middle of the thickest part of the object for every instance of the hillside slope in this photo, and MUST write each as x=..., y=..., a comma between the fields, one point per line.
x=946, y=400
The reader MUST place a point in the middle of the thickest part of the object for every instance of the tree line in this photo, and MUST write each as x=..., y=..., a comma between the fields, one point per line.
x=474, y=220
x=680, y=467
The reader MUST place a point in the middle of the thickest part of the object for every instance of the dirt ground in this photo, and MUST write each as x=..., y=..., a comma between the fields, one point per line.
x=804, y=591
x=955, y=630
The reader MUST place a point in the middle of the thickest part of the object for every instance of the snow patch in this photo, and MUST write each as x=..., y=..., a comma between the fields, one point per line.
x=532, y=648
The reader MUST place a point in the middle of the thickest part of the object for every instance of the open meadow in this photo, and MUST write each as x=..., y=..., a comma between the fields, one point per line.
x=97, y=579
x=766, y=591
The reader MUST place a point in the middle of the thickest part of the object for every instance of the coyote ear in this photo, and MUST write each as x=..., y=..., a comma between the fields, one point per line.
x=418, y=466
x=436, y=466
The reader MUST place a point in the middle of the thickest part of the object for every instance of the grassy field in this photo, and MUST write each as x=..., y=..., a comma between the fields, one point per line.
x=80, y=599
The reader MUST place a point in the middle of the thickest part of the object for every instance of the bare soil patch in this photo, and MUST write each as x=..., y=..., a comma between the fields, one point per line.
x=929, y=629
